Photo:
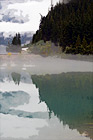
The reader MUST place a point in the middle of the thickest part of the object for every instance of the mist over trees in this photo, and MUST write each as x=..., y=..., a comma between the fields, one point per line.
x=68, y=25
x=15, y=45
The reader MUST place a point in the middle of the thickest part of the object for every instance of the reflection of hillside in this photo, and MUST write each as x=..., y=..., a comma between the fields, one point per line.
x=70, y=97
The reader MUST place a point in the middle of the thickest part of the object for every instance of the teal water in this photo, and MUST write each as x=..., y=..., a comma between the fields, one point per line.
x=70, y=97
x=46, y=107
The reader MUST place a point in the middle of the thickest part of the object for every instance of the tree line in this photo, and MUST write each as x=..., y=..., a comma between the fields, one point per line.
x=68, y=25
x=16, y=39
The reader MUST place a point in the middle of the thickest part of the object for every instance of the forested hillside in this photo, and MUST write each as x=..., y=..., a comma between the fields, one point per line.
x=70, y=26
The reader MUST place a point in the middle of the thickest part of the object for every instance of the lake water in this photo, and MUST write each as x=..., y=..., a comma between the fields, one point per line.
x=3, y=49
x=47, y=104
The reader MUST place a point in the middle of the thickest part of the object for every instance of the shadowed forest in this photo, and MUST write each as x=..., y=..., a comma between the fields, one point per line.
x=69, y=26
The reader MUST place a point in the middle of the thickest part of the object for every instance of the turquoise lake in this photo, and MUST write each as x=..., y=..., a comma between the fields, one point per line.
x=45, y=106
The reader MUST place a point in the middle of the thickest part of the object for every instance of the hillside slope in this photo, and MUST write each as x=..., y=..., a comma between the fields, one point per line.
x=69, y=25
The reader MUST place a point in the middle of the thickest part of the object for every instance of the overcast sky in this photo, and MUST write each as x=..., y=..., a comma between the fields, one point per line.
x=22, y=15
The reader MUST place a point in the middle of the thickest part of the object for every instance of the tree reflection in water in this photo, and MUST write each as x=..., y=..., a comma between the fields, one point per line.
x=70, y=97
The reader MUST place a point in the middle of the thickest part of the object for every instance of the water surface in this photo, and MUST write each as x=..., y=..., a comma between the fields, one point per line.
x=46, y=105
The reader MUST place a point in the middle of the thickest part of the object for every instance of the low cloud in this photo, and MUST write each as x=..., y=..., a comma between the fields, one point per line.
x=10, y=16
x=13, y=15
x=22, y=15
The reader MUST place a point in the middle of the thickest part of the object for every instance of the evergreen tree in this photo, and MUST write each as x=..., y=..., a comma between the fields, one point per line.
x=19, y=39
x=16, y=40
x=78, y=44
x=84, y=42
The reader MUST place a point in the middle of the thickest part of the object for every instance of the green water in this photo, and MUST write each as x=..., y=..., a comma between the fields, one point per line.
x=57, y=106
x=70, y=97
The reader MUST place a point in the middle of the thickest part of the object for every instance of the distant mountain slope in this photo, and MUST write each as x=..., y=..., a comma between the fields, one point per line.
x=69, y=25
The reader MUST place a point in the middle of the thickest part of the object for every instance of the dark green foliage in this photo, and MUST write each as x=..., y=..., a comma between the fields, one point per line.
x=78, y=44
x=80, y=48
x=68, y=25
x=19, y=39
x=16, y=40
